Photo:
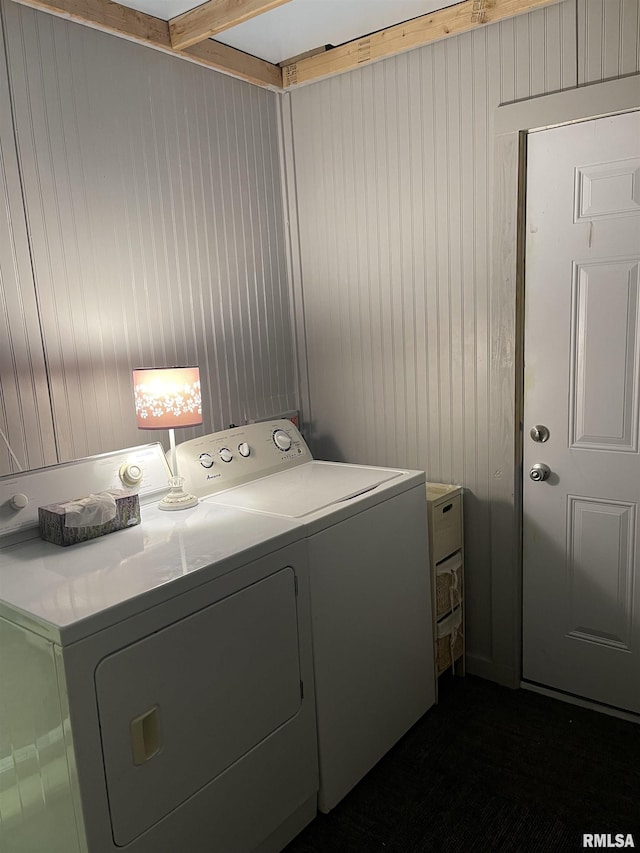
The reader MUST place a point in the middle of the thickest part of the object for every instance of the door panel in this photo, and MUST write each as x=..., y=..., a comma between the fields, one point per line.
x=607, y=190
x=600, y=571
x=581, y=607
x=604, y=374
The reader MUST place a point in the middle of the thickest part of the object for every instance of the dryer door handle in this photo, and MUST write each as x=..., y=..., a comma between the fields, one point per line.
x=145, y=736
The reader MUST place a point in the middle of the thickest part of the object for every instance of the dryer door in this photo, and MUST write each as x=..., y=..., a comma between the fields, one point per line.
x=183, y=704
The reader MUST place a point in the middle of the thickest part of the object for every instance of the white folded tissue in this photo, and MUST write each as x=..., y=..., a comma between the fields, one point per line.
x=90, y=511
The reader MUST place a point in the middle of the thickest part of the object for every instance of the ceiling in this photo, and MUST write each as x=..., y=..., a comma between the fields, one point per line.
x=299, y=26
x=280, y=44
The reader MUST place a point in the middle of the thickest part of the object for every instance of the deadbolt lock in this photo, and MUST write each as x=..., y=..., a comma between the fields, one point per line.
x=539, y=433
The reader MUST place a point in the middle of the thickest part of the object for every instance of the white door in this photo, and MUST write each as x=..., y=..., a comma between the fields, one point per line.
x=581, y=593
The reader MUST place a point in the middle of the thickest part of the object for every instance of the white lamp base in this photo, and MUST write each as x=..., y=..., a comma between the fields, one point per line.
x=177, y=497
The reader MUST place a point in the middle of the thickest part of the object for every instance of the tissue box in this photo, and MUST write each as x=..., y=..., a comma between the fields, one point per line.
x=51, y=520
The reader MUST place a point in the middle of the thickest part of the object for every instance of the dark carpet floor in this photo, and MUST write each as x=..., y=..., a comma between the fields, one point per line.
x=491, y=769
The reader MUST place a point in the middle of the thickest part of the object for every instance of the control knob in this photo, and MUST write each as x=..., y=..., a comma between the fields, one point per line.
x=281, y=440
x=206, y=460
x=244, y=449
x=18, y=501
x=130, y=473
x=226, y=455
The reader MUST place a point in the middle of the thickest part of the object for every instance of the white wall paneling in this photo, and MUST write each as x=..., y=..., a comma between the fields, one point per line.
x=411, y=338
x=608, y=39
x=293, y=256
x=25, y=414
x=537, y=52
x=153, y=199
x=394, y=170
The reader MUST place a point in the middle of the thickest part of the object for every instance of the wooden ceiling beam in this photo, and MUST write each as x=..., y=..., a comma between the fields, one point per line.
x=213, y=17
x=418, y=32
x=144, y=29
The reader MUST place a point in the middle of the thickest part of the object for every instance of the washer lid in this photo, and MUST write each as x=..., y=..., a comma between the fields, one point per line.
x=309, y=488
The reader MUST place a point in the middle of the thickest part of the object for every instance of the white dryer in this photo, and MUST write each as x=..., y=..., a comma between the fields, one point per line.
x=366, y=534
x=156, y=685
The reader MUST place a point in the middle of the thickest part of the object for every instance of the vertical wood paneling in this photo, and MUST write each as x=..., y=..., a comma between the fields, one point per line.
x=502, y=400
x=442, y=215
x=630, y=38
x=25, y=417
x=154, y=208
x=608, y=39
x=395, y=173
x=538, y=52
x=560, y=47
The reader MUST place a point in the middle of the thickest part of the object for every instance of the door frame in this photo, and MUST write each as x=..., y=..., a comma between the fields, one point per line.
x=512, y=123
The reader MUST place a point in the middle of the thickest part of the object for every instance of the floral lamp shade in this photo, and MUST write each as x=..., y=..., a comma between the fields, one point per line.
x=167, y=397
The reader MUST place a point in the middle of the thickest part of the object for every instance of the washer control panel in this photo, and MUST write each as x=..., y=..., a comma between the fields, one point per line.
x=234, y=456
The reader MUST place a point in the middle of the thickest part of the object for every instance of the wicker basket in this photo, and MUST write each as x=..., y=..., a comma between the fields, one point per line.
x=449, y=641
x=448, y=585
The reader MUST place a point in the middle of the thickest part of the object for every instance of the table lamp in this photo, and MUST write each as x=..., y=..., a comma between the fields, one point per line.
x=169, y=398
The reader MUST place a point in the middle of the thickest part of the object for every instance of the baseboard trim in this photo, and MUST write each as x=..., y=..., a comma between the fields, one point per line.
x=485, y=668
x=583, y=703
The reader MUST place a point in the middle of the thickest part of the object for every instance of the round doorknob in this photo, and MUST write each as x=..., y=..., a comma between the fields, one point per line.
x=539, y=472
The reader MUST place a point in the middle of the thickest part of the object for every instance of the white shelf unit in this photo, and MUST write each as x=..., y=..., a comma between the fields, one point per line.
x=446, y=562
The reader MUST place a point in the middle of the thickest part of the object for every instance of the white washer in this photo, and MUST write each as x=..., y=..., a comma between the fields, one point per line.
x=156, y=684
x=369, y=572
